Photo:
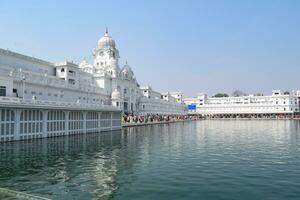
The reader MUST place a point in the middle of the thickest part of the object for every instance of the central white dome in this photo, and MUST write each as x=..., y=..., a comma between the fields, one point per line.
x=106, y=41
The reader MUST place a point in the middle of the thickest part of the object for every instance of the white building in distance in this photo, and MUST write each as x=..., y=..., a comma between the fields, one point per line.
x=277, y=103
x=102, y=82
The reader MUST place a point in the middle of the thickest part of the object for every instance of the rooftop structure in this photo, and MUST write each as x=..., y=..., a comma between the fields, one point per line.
x=277, y=103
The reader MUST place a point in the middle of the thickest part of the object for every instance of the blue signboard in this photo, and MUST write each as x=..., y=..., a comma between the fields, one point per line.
x=191, y=107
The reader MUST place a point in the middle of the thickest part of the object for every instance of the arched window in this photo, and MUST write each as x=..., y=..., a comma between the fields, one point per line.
x=62, y=69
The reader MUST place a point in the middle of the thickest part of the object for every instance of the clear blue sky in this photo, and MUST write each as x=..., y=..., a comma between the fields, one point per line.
x=192, y=46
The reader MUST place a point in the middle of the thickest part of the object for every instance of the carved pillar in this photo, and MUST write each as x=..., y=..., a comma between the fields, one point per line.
x=45, y=120
x=84, y=121
x=111, y=120
x=99, y=121
x=67, y=122
x=17, y=113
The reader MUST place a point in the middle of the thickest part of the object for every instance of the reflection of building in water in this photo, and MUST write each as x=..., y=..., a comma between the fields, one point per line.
x=64, y=163
x=275, y=130
x=104, y=173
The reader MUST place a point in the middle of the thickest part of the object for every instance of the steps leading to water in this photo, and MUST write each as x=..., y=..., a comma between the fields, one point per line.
x=20, y=195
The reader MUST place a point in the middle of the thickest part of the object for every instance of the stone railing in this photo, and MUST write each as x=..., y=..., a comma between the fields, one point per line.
x=13, y=101
x=43, y=79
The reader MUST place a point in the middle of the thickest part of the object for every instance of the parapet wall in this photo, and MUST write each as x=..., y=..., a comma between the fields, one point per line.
x=30, y=122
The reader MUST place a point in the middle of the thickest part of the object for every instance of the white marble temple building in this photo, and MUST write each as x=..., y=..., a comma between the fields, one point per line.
x=102, y=82
x=277, y=103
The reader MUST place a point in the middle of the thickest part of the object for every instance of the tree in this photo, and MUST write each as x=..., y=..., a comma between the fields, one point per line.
x=238, y=93
x=259, y=94
x=221, y=95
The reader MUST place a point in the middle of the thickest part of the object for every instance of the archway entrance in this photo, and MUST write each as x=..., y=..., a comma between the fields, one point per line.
x=125, y=106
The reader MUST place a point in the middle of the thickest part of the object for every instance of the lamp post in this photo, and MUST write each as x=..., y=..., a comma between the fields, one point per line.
x=90, y=89
x=23, y=79
x=11, y=73
x=87, y=96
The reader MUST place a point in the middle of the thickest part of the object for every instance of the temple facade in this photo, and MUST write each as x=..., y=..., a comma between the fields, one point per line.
x=278, y=104
x=102, y=82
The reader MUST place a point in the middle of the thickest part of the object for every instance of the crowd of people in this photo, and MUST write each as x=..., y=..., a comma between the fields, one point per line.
x=131, y=118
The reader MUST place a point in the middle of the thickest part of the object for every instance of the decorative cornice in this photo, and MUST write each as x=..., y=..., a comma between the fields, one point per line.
x=66, y=63
x=21, y=56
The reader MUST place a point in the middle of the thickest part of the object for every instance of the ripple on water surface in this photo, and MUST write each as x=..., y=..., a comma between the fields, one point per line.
x=217, y=159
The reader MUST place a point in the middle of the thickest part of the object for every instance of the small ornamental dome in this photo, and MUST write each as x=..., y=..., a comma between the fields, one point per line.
x=127, y=71
x=86, y=67
x=106, y=41
x=84, y=63
x=116, y=94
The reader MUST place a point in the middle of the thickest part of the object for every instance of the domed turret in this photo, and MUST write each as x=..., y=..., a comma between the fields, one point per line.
x=116, y=94
x=106, y=41
x=86, y=67
x=106, y=56
x=127, y=71
x=83, y=63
